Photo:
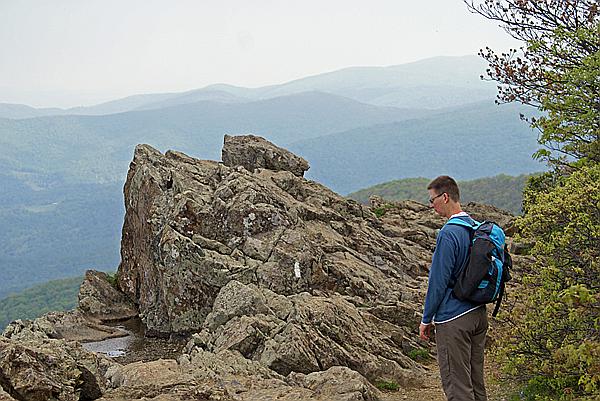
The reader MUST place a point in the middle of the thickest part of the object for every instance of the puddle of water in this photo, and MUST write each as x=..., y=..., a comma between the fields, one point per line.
x=135, y=346
x=112, y=347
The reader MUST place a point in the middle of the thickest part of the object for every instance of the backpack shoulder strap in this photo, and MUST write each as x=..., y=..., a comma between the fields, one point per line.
x=460, y=222
x=471, y=229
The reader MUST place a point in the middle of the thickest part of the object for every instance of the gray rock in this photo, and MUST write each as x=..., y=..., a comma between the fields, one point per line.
x=253, y=152
x=228, y=376
x=341, y=383
x=71, y=326
x=50, y=369
x=100, y=300
x=235, y=299
x=274, y=268
x=482, y=212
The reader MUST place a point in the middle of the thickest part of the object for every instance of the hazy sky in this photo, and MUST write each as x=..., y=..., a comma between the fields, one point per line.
x=80, y=52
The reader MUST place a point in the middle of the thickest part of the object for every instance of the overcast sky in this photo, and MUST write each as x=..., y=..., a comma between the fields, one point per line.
x=79, y=52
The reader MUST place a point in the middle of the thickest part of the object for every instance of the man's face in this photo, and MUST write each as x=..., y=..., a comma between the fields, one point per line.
x=438, y=202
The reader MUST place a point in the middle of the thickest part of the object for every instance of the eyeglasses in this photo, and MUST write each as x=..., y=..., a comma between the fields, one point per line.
x=435, y=197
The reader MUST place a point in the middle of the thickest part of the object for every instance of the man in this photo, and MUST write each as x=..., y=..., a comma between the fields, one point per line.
x=460, y=326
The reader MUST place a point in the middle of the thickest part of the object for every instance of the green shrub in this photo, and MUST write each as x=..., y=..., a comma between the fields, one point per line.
x=551, y=343
x=113, y=279
x=419, y=355
x=387, y=386
x=381, y=211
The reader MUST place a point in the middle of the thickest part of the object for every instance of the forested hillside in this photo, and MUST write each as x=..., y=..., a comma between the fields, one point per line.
x=482, y=140
x=52, y=230
x=503, y=191
x=56, y=295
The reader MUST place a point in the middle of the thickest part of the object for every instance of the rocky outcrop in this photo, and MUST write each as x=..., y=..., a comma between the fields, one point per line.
x=49, y=369
x=305, y=333
x=100, y=300
x=482, y=212
x=70, y=326
x=287, y=290
x=253, y=152
x=281, y=269
x=192, y=227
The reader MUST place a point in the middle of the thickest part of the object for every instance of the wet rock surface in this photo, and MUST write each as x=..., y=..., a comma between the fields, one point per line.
x=135, y=346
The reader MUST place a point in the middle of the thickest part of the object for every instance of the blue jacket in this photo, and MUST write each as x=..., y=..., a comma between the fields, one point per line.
x=451, y=253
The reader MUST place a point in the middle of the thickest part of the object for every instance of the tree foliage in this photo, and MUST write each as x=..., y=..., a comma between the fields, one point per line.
x=552, y=341
x=554, y=327
x=556, y=70
x=56, y=295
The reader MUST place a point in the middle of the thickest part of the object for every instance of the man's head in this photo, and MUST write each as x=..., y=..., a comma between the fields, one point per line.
x=444, y=196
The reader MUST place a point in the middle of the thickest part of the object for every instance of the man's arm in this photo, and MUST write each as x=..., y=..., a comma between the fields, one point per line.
x=439, y=276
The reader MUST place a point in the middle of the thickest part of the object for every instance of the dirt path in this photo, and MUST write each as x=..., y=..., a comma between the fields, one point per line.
x=432, y=389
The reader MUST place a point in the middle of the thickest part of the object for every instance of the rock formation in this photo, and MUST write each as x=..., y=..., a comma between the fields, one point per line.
x=253, y=152
x=51, y=369
x=100, y=300
x=287, y=290
x=267, y=263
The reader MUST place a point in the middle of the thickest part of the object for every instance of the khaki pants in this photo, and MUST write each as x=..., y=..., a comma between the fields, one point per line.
x=460, y=345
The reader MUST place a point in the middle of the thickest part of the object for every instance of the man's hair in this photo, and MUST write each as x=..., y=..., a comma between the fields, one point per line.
x=446, y=184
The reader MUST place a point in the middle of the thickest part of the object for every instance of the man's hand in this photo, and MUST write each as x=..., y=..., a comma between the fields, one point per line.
x=424, y=330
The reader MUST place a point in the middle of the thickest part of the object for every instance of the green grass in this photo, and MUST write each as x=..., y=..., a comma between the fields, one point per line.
x=381, y=211
x=387, y=386
x=419, y=355
x=112, y=278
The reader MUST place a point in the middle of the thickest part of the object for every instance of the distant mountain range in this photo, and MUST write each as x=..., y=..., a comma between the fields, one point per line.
x=99, y=148
x=63, y=170
x=432, y=83
x=467, y=142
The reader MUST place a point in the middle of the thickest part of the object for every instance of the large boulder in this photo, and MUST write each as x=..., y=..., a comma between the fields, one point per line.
x=253, y=152
x=191, y=226
x=50, y=369
x=99, y=299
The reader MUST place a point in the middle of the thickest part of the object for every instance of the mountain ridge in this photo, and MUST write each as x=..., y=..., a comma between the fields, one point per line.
x=426, y=75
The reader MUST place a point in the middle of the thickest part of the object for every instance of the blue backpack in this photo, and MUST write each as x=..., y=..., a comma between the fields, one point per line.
x=482, y=279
